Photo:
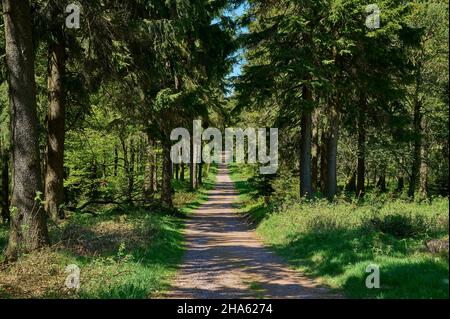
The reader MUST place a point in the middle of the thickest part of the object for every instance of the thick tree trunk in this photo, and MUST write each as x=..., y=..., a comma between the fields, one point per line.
x=315, y=151
x=54, y=177
x=361, y=166
x=5, y=185
x=166, y=188
x=28, y=221
x=332, y=152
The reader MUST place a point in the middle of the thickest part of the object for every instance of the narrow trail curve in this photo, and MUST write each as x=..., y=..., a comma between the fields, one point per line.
x=224, y=259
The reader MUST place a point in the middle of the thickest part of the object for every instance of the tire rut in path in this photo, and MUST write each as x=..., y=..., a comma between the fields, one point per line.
x=225, y=259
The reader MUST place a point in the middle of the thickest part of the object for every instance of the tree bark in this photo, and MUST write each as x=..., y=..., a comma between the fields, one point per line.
x=323, y=163
x=315, y=151
x=415, y=168
x=192, y=168
x=381, y=184
x=28, y=220
x=131, y=171
x=417, y=127
x=54, y=177
x=166, y=188
x=182, y=172
x=332, y=152
x=149, y=169
x=424, y=169
x=5, y=185
x=305, y=148
x=351, y=184
x=177, y=171
x=200, y=174
x=400, y=183
x=361, y=166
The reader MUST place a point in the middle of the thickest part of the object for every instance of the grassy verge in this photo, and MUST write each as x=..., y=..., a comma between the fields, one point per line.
x=122, y=252
x=336, y=242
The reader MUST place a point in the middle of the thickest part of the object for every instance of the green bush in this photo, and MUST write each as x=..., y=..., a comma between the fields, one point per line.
x=400, y=225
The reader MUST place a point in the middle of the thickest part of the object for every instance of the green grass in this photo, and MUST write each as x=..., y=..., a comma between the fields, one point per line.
x=336, y=242
x=122, y=252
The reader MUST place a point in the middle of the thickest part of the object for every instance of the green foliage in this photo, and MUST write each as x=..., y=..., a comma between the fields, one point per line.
x=400, y=226
x=335, y=242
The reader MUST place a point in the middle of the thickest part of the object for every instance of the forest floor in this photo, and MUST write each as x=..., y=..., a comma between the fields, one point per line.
x=225, y=259
x=122, y=251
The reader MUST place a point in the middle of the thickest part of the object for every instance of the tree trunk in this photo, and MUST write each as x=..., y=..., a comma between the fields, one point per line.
x=200, y=174
x=351, y=184
x=361, y=166
x=149, y=169
x=182, y=177
x=305, y=148
x=5, y=185
x=177, y=171
x=400, y=184
x=332, y=152
x=131, y=171
x=116, y=160
x=28, y=221
x=315, y=151
x=166, y=189
x=323, y=163
x=415, y=168
x=424, y=170
x=192, y=168
x=54, y=177
x=381, y=184
x=154, y=170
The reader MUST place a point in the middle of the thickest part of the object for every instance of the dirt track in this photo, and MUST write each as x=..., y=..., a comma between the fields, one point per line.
x=225, y=259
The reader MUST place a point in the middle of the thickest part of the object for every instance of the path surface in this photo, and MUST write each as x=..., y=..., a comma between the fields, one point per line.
x=224, y=259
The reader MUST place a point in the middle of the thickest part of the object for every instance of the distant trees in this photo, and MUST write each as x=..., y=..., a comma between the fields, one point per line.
x=305, y=56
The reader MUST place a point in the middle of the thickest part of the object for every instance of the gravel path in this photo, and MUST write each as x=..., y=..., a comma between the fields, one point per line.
x=224, y=259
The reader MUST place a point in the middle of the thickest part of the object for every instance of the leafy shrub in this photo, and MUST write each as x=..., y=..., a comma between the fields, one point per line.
x=400, y=225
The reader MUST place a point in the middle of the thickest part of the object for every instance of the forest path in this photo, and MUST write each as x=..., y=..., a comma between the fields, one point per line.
x=225, y=259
